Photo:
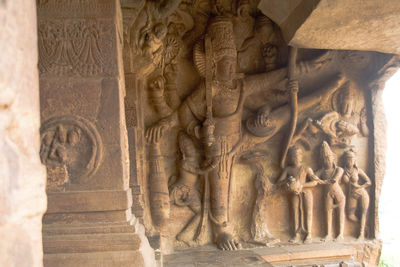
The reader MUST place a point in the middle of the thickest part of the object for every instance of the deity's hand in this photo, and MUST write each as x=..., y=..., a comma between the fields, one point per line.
x=155, y=132
x=262, y=116
x=181, y=194
x=293, y=86
x=157, y=87
x=356, y=185
x=270, y=51
x=330, y=181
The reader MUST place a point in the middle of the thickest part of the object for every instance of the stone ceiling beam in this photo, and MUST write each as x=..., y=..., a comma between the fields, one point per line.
x=367, y=25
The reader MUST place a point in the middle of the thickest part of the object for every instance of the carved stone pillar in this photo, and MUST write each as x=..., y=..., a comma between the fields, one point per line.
x=84, y=139
x=135, y=128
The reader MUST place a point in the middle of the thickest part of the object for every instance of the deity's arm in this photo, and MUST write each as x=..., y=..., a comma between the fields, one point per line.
x=338, y=174
x=280, y=117
x=270, y=80
x=277, y=79
x=314, y=179
x=283, y=176
x=188, y=115
x=365, y=177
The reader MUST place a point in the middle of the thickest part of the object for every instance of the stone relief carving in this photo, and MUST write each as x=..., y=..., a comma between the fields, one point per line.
x=343, y=100
x=300, y=180
x=71, y=148
x=337, y=130
x=358, y=181
x=220, y=85
x=145, y=28
x=217, y=104
x=259, y=228
x=159, y=204
x=331, y=174
x=184, y=191
x=72, y=47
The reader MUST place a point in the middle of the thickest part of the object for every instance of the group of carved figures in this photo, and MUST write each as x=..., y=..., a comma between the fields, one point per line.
x=212, y=137
x=299, y=181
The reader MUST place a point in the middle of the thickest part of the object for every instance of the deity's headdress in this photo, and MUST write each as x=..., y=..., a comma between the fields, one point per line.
x=349, y=154
x=220, y=30
x=326, y=152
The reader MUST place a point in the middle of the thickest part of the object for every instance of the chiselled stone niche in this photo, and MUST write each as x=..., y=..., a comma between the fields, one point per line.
x=246, y=141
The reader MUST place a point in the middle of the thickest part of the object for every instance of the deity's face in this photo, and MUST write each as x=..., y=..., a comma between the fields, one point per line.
x=225, y=69
x=350, y=162
x=328, y=161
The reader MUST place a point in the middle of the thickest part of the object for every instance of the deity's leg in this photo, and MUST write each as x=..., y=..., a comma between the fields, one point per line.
x=186, y=235
x=351, y=213
x=219, y=179
x=296, y=217
x=341, y=206
x=329, y=211
x=364, y=210
x=308, y=205
x=259, y=226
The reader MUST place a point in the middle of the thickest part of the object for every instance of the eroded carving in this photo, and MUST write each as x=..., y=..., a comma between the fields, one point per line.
x=358, y=182
x=217, y=104
x=144, y=34
x=338, y=131
x=159, y=204
x=299, y=181
x=219, y=85
x=332, y=174
x=184, y=192
x=259, y=225
x=72, y=47
x=71, y=148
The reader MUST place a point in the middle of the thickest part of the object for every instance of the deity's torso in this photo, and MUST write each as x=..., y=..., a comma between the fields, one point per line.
x=298, y=172
x=329, y=174
x=225, y=100
x=353, y=177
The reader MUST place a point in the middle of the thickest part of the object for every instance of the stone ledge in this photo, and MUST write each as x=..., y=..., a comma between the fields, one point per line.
x=110, y=258
x=85, y=201
x=312, y=252
x=82, y=243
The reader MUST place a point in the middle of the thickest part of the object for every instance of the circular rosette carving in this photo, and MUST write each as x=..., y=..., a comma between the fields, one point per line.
x=73, y=144
x=171, y=47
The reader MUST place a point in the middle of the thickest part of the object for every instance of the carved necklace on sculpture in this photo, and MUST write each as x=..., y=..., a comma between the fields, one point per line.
x=224, y=89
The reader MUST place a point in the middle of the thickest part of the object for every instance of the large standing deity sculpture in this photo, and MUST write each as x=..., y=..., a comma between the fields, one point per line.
x=213, y=114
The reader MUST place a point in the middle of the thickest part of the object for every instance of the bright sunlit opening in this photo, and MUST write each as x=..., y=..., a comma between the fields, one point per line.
x=389, y=211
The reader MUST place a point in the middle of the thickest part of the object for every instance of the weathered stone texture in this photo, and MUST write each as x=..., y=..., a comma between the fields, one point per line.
x=22, y=182
x=84, y=138
x=368, y=25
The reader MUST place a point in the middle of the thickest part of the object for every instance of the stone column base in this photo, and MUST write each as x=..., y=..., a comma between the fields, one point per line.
x=99, y=245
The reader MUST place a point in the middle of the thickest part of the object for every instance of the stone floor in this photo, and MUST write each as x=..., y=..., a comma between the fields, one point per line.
x=211, y=257
x=331, y=254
